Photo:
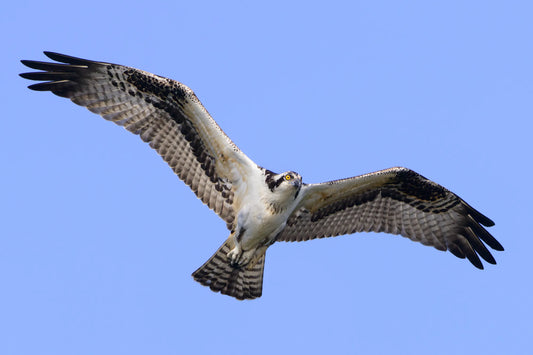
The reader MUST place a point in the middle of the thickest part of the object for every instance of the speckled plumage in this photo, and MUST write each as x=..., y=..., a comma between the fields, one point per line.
x=259, y=206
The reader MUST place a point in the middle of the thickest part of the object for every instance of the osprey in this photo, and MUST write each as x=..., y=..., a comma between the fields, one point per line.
x=259, y=206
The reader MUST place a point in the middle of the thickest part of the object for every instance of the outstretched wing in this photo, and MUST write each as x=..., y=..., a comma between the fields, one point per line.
x=164, y=112
x=397, y=201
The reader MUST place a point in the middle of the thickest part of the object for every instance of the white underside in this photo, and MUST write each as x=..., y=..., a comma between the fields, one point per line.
x=262, y=216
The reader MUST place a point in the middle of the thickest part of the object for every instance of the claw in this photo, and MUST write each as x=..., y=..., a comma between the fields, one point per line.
x=239, y=258
x=234, y=255
x=246, y=257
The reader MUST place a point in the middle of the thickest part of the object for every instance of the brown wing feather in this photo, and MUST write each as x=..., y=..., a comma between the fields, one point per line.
x=396, y=201
x=164, y=112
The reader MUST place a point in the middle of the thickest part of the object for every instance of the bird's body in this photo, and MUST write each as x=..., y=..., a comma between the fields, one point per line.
x=263, y=215
x=259, y=206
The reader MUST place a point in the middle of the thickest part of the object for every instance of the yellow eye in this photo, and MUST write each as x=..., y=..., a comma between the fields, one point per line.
x=288, y=177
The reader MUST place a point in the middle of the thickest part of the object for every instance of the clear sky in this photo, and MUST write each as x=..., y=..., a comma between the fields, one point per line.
x=99, y=237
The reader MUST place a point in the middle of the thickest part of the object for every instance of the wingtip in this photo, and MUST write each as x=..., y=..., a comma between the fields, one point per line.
x=489, y=222
x=67, y=59
x=38, y=87
x=57, y=56
x=474, y=259
x=478, y=216
x=499, y=247
x=30, y=63
x=51, y=54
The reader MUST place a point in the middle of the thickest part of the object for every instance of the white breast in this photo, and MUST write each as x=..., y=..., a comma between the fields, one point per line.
x=263, y=215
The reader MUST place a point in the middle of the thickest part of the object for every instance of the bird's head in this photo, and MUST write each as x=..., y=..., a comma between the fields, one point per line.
x=287, y=183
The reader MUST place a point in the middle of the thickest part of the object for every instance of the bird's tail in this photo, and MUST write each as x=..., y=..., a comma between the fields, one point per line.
x=240, y=282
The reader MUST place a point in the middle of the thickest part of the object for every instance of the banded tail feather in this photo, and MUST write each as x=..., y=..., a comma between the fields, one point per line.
x=240, y=282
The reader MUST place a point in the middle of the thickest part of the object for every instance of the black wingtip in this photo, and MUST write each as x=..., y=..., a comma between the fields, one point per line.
x=489, y=258
x=40, y=87
x=489, y=222
x=49, y=75
x=474, y=259
x=498, y=247
x=63, y=58
x=34, y=64
x=56, y=56
x=60, y=87
x=33, y=75
x=478, y=216
x=486, y=237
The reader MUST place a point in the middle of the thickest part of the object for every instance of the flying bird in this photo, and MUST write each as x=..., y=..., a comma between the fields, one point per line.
x=261, y=207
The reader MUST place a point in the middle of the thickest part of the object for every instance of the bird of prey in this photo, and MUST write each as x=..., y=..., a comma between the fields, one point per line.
x=260, y=207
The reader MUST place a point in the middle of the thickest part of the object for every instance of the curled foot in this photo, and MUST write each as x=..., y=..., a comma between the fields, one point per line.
x=239, y=258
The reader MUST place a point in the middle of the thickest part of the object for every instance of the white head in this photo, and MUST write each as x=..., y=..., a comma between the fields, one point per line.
x=288, y=183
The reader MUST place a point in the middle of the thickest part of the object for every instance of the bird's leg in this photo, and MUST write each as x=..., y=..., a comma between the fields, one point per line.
x=246, y=256
x=237, y=256
x=234, y=255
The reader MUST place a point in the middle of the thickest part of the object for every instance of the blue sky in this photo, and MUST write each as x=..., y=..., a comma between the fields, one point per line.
x=100, y=238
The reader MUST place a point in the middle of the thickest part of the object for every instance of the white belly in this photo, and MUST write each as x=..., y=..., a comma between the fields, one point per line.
x=258, y=224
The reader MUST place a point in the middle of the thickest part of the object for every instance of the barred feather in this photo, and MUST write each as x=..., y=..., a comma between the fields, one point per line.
x=220, y=276
x=396, y=201
x=165, y=113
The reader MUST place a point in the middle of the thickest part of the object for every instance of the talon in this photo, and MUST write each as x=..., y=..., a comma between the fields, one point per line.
x=238, y=258
x=246, y=257
x=235, y=255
